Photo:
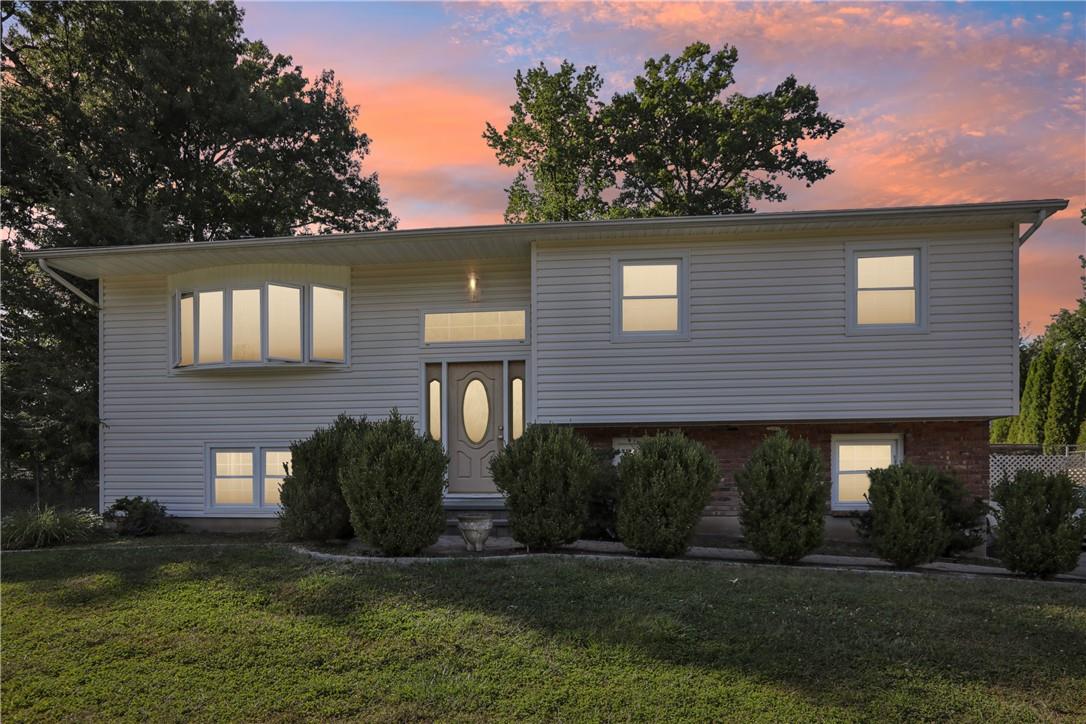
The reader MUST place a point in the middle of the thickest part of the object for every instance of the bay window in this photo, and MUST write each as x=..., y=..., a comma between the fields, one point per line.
x=260, y=324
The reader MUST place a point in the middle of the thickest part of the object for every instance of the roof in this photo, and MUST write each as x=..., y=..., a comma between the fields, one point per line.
x=511, y=240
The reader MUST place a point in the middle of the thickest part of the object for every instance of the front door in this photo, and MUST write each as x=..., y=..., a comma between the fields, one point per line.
x=476, y=428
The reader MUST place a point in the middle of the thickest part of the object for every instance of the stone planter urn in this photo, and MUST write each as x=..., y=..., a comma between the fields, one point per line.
x=475, y=529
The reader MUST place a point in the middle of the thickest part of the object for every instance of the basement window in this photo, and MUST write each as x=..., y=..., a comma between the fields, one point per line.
x=248, y=478
x=854, y=456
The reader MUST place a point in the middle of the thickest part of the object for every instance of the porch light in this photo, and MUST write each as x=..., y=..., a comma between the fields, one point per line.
x=473, y=287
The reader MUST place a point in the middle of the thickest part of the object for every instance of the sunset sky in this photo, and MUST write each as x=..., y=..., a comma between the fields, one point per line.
x=942, y=103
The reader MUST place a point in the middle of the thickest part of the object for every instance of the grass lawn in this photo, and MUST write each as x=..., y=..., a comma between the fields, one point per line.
x=255, y=632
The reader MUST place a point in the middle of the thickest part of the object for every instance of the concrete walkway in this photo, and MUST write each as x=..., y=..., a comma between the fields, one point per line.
x=450, y=548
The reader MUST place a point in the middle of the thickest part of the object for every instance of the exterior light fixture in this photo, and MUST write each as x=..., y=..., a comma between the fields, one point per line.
x=473, y=287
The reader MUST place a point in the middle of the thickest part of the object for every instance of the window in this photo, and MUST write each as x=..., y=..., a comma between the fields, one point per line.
x=221, y=327
x=434, y=409
x=484, y=326
x=233, y=481
x=276, y=467
x=853, y=457
x=649, y=298
x=209, y=308
x=328, y=312
x=186, y=325
x=886, y=288
x=245, y=326
x=284, y=323
x=516, y=408
x=235, y=473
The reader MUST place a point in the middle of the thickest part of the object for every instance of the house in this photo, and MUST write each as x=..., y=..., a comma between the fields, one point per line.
x=878, y=334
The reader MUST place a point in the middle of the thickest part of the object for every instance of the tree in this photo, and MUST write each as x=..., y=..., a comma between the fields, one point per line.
x=683, y=150
x=1028, y=428
x=130, y=123
x=1061, y=419
x=558, y=143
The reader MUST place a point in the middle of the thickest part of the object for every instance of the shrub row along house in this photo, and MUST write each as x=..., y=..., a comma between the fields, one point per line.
x=878, y=334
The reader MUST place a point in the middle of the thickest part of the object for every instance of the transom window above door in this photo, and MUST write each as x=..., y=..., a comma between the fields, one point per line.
x=270, y=323
x=649, y=298
x=501, y=325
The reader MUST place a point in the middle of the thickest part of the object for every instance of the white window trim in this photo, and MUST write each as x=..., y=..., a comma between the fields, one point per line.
x=896, y=438
x=618, y=261
x=307, y=324
x=423, y=344
x=258, y=507
x=853, y=252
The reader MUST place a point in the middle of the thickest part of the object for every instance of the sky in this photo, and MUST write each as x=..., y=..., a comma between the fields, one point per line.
x=942, y=102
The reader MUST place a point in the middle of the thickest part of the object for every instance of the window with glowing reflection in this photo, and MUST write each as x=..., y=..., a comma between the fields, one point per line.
x=233, y=481
x=284, y=322
x=491, y=326
x=434, y=409
x=853, y=459
x=245, y=326
x=327, y=314
x=263, y=324
x=209, y=348
x=276, y=467
x=886, y=289
x=649, y=297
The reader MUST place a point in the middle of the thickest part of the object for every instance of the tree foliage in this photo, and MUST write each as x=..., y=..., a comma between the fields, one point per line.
x=1053, y=365
x=683, y=150
x=557, y=141
x=673, y=145
x=133, y=123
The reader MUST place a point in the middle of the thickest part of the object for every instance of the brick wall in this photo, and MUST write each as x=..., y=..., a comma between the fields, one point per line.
x=958, y=446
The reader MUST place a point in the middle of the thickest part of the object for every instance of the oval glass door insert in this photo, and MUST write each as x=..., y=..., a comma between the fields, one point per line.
x=476, y=411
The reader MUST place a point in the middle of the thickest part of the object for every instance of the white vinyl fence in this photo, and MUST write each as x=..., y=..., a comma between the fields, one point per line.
x=1071, y=460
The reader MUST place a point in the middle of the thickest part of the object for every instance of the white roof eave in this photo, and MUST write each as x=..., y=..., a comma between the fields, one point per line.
x=510, y=240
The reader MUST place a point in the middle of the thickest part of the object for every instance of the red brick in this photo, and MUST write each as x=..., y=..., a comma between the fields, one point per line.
x=959, y=446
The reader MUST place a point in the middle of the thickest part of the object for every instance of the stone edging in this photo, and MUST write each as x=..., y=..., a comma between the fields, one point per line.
x=416, y=560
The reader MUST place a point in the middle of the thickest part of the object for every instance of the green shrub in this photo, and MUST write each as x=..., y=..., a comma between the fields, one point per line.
x=50, y=526
x=664, y=486
x=546, y=475
x=603, y=499
x=907, y=526
x=1039, y=523
x=139, y=516
x=393, y=484
x=312, y=506
x=962, y=513
x=783, y=495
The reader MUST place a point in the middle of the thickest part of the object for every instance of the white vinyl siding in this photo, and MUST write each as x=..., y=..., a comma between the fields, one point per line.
x=768, y=336
x=158, y=425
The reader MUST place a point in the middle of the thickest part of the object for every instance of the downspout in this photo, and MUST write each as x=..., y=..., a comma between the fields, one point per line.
x=65, y=283
x=1042, y=215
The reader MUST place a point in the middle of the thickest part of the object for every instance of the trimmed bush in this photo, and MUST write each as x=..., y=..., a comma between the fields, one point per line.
x=50, y=526
x=1039, y=523
x=602, y=521
x=393, y=484
x=546, y=475
x=783, y=494
x=907, y=526
x=139, y=516
x=664, y=486
x=962, y=513
x=312, y=504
